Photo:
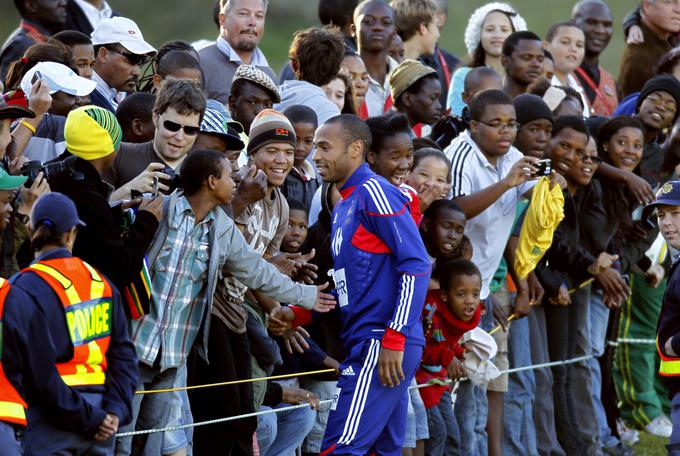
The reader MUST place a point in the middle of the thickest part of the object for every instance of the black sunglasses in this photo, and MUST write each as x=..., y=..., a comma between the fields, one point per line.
x=134, y=59
x=174, y=127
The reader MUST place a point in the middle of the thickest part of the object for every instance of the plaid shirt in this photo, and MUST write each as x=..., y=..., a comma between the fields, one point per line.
x=178, y=276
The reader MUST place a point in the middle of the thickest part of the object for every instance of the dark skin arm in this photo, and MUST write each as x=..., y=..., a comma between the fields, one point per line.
x=639, y=187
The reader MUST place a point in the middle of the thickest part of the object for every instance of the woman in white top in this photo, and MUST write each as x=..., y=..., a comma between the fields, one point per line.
x=566, y=42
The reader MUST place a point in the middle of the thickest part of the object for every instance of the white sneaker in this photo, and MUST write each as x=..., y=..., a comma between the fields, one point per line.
x=660, y=427
x=628, y=436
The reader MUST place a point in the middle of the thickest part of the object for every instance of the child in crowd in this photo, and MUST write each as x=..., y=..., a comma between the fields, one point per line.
x=302, y=181
x=429, y=176
x=297, y=227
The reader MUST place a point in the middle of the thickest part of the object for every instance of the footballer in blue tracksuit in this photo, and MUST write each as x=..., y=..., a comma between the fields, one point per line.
x=381, y=273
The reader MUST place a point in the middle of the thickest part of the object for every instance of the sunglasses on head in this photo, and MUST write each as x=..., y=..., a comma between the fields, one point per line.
x=134, y=59
x=175, y=127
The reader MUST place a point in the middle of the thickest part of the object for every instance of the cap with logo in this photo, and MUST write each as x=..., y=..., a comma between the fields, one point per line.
x=217, y=121
x=9, y=182
x=255, y=75
x=270, y=126
x=123, y=31
x=59, y=78
x=57, y=210
x=92, y=132
x=667, y=195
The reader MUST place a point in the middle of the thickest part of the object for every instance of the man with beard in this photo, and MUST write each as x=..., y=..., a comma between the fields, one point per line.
x=119, y=50
x=595, y=19
x=241, y=29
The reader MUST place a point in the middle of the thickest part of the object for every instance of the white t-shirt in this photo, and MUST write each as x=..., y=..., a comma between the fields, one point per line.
x=489, y=231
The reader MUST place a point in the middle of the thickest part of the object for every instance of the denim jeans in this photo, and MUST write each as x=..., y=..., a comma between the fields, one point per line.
x=674, y=442
x=443, y=428
x=149, y=411
x=599, y=317
x=519, y=434
x=470, y=409
x=9, y=443
x=279, y=434
x=325, y=391
x=43, y=436
x=180, y=414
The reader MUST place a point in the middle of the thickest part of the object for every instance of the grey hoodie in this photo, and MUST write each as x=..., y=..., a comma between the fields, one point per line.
x=307, y=94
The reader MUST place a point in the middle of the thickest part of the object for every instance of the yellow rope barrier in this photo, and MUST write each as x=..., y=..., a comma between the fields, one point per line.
x=236, y=382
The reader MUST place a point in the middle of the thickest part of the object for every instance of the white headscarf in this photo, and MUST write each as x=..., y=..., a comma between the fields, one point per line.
x=473, y=32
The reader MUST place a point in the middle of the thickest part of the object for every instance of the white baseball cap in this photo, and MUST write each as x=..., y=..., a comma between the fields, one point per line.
x=123, y=31
x=59, y=78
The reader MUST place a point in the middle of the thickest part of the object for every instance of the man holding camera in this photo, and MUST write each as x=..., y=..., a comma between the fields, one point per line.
x=146, y=167
x=93, y=136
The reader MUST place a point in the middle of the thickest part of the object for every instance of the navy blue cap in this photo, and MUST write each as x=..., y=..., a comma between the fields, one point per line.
x=57, y=210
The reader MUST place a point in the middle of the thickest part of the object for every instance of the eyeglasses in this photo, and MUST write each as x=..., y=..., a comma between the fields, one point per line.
x=595, y=159
x=500, y=126
x=175, y=127
x=134, y=59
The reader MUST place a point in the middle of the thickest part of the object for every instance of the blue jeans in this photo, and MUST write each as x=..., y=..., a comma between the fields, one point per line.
x=11, y=446
x=599, y=317
x=443, y=428
x=674, y=442
x=416, y=419
x=519, y=433
x=180, y=414
x=149, y=411
x=325, y=391
x=279, y=434
x=471, y=413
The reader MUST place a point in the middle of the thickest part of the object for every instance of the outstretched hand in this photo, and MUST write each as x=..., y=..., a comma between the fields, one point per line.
x=325, y=302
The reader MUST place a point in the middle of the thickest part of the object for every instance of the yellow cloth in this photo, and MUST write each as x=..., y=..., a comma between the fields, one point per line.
x=545, y=212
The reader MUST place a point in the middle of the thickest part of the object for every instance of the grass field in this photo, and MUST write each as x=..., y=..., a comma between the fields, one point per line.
x=162, y=20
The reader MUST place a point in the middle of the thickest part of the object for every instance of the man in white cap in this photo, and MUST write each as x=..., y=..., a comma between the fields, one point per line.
x=119, y=49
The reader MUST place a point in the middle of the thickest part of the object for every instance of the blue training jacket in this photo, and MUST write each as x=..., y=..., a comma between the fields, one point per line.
x=382, y=269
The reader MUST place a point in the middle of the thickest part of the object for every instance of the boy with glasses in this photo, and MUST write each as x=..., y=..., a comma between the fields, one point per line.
x=119, y=49
x=143, y=167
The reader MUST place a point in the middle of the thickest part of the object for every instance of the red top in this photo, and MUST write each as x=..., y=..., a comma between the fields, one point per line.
x=441, y=346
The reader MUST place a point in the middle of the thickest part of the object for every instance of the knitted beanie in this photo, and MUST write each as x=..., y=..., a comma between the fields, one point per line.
x=473, y=32
x=530, y=107
x=92, y=132
x=661, y=83
x=270, y=126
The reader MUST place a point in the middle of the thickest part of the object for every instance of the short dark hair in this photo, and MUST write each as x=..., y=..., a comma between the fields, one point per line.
x=576, y=123
x=72, y=38
x=478, y=73
x=573, y=94
x=441, y=205
x=317, y=53
x=552, y=31
x=512, y=41
x=183, y=95
x=416, y=86
x=548, y=55
x=337, y=13
x=353, y=129
x=301, y=114
x=198, y=166
x=486, y=98
x=385, y=126
x=421, y=154
x=455, y=268
x=138, y=105
x=296, y=205
x=175, y=60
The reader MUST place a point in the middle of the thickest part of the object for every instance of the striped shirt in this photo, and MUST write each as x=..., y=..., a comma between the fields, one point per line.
x=490, y=230
x=179, y=277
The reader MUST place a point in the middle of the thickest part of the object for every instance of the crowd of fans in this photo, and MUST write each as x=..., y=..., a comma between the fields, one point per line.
x=168, y=221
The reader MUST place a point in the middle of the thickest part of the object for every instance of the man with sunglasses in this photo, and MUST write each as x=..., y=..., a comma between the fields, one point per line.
x=177, y=114
x=119, y=49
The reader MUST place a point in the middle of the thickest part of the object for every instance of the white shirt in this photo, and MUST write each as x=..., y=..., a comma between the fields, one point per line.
x=489, y=231
x=377, y=93
x=574, y=84
x=257, y=58
x=94, y=15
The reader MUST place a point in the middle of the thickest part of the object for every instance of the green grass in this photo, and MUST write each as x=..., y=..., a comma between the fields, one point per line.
x=650, y=445
x=162, y=20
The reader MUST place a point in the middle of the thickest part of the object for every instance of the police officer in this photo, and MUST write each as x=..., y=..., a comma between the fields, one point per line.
x=13, y=340
x=81, y=367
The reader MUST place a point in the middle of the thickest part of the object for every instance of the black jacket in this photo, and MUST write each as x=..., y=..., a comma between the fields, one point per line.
x=102, y=242
x=77, y=20
x=669, y=322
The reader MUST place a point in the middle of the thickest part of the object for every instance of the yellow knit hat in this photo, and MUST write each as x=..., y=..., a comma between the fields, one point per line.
x=92, y=132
